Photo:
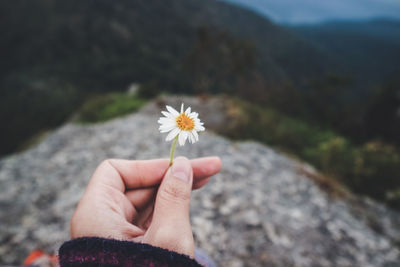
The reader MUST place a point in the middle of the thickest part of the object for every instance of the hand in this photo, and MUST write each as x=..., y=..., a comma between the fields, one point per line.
x=143, y=201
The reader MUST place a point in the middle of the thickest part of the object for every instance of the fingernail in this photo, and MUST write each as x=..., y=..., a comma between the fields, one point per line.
x=181, y=169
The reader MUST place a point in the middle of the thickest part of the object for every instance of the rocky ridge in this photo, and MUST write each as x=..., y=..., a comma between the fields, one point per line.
x=261, y=210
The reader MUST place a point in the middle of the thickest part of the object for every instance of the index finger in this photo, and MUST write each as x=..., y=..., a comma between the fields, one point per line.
x=133, y=174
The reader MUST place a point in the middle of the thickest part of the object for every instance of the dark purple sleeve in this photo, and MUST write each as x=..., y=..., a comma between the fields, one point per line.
x=94, y=251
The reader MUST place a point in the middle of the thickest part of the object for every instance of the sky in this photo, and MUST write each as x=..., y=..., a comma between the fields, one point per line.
x=316, y=11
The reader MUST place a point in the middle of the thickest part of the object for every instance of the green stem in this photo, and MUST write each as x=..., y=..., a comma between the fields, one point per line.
x=171, y=158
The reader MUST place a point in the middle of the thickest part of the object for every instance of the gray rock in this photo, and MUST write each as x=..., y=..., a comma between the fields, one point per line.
x=259, y=211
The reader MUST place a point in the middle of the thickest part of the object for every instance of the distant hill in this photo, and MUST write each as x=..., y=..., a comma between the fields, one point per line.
x=369, y=50
x=130, y=40
x=317, y=11
x=55, y=53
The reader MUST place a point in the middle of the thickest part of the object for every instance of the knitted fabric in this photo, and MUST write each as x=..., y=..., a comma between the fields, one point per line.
x=94, y=251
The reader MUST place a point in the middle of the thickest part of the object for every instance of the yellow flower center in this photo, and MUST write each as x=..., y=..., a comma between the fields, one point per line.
x=184, y=122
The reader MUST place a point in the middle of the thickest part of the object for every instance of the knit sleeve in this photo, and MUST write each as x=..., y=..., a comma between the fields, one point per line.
x=94, y=251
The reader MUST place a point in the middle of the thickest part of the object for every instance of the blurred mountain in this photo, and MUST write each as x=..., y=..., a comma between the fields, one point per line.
x=130, y=40
x=316, y=11
x=368, y=53
x=368, y=50
x=56, y=53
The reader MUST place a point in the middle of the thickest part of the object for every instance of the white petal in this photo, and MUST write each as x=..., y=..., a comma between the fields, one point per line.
x=182, y=108
x=192, y=138
x=195, y=135
x=166, y=128
x=164, y=124
x=187, y=112
x=193, y=115
x=183, y=135
x=164, y=120
x=167, y=114
x=172, y=134
x=172, y=111
x=168, y=123
x=199, y=128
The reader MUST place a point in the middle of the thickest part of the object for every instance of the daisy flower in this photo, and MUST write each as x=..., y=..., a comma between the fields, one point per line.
x=181, y=126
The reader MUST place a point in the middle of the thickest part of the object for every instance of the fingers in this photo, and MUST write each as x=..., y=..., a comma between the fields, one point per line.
x=143, y=220
x=141, y=197
x=137, y=173
x=201, y=183
x=147, y=173
x=205, y=167
x=96, y=216
x=170, y=227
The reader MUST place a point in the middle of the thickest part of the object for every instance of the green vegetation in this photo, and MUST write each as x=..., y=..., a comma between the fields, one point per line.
x=372, y=168
x=108, y=106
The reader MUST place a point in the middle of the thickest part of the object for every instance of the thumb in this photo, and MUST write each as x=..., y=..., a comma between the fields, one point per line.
x=170, y=227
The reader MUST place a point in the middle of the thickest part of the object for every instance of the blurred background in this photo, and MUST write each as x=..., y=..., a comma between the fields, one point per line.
x=318, y=80
x=323, y=78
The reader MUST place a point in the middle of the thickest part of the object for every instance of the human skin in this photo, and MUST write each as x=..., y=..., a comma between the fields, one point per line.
x=143, y=201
